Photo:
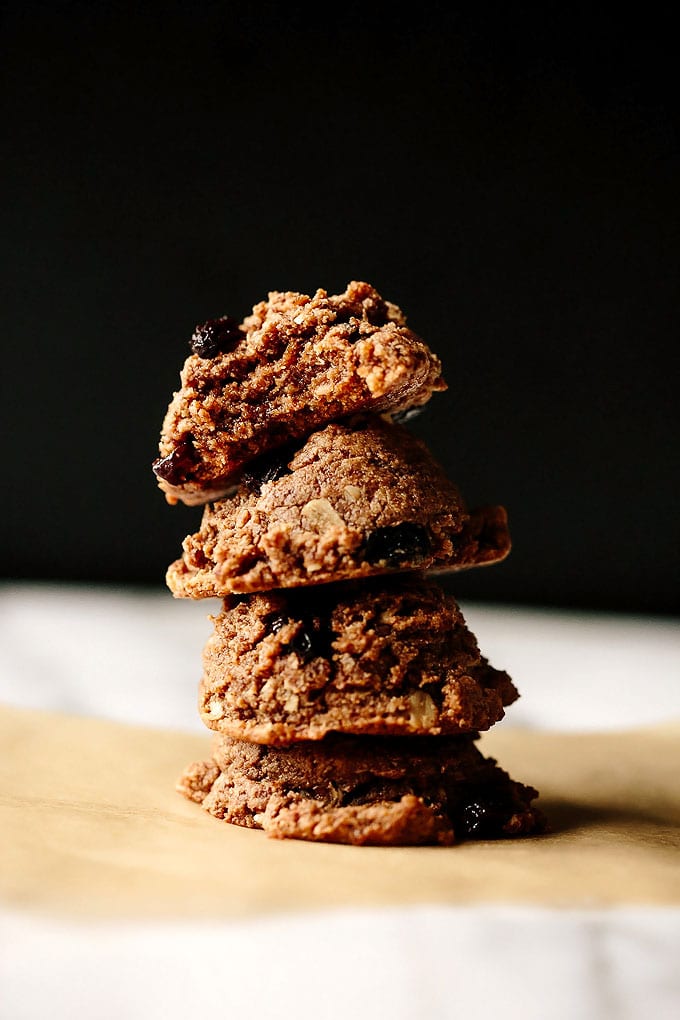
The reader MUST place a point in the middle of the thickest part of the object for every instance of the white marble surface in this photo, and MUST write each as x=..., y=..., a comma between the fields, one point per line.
x=135, y=657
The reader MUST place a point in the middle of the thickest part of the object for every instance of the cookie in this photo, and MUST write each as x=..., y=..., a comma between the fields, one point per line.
x=295, y=364
x=388, y=657
x=355, y=499
x=376, y=791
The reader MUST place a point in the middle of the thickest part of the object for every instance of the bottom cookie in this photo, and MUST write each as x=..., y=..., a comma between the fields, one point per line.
x=366, y=791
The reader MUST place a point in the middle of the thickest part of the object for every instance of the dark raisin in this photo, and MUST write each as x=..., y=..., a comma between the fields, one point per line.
x=216, y=336
x=408, y=414
x=303, y=644
x=400, y=543
x=178, y=466
x=313, y=639
x=484, y=817
x=267, y=468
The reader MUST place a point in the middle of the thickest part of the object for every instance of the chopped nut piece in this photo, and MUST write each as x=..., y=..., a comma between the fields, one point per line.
x=319, y=515
x=352, y=493
x=423, y=710
x=215, y=709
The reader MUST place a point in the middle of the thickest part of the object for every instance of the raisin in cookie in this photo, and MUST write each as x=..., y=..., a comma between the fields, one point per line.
x=295, y=364
x=356, y=499
x=386, y=658
x=376, y=791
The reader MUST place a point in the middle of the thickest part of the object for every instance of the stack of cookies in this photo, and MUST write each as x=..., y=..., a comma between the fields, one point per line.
x=344, y=687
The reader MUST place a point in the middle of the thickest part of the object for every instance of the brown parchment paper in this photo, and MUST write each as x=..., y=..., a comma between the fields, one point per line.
x=90, y=826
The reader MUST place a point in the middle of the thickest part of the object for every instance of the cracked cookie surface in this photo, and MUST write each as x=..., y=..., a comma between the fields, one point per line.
x=295, y=364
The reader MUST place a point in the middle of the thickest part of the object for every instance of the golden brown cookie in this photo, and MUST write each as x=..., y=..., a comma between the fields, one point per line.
x=295, y=364
x=355, y=499
x=376, y=791
x=389, y=657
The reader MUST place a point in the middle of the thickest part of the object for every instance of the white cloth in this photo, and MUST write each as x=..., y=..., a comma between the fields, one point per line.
x=135, y=657
x=420, y=963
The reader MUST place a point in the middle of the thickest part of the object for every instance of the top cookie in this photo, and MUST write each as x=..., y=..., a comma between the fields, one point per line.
x=295, y=364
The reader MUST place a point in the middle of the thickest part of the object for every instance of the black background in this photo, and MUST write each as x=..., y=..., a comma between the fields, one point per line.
x=507, y=173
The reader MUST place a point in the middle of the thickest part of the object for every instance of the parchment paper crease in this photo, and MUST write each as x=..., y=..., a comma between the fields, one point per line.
x=90, y=825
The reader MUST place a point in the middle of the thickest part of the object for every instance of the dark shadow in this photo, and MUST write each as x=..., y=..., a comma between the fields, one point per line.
x=567, y=816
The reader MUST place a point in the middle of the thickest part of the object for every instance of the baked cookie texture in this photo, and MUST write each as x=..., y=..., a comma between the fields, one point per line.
x=375, y=791
x=388, y=657
x=354, y=499
x=343, y=686
x=295, y=364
